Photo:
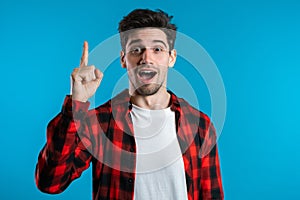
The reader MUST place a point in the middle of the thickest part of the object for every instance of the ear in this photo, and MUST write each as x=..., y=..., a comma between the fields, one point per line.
x=122, y=59
x=172, y=58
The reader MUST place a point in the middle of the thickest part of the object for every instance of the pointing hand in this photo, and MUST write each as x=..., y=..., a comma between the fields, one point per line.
x=85, y=79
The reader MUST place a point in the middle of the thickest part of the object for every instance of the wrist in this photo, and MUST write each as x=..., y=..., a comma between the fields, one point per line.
x=78, y=98
x=74, y=109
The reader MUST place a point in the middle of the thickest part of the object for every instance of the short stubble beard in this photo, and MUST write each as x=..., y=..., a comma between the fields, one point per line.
x=144, y=90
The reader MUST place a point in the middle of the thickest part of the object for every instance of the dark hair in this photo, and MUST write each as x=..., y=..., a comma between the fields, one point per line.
x=142, y=18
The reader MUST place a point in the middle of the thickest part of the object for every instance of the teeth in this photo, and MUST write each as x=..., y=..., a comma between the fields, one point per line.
x=147, y=72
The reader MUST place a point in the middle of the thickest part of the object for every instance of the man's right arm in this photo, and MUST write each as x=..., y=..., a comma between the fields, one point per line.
x=64, y=157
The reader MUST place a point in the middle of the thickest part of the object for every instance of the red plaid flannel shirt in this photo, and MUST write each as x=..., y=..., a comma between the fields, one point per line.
x=75, y=139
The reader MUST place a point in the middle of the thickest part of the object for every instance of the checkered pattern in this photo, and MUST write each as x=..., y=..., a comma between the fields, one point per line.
x=77, y=137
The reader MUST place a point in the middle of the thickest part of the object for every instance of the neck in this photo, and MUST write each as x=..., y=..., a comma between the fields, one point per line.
x=157, y=101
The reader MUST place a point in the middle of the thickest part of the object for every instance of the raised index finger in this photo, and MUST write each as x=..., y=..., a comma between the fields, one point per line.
x=85, y=54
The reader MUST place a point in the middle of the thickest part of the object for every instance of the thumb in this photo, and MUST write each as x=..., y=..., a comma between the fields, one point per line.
x=98, y=75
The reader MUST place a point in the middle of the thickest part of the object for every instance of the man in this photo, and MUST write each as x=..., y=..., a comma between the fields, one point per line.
x=145, y=143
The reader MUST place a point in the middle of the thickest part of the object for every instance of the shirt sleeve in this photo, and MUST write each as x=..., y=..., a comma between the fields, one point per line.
x=64, y=157
x=211, y=183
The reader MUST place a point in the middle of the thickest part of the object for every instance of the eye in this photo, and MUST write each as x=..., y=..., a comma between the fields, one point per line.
x=157, y=49
x=136, y=50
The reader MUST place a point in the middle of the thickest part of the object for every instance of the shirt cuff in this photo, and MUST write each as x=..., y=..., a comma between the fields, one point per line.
x=75, y=109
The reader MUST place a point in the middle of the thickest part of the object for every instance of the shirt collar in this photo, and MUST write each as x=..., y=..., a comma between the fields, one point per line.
x=123, y=98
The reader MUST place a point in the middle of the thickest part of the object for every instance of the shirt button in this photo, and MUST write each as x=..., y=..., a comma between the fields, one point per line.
x=80, y=113
x=130, y=180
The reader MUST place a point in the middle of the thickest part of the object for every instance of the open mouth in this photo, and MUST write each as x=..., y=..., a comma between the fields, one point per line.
x=146, y=75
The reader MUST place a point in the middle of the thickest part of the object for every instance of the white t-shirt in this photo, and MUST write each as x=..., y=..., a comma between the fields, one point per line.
x=160, y=170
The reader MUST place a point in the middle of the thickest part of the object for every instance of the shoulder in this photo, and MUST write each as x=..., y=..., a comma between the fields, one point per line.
x=193, y=114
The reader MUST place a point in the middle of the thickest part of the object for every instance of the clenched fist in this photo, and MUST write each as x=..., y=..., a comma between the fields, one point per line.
x=85, y=79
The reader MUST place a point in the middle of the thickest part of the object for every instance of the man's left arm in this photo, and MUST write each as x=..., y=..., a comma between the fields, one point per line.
x=211, y=182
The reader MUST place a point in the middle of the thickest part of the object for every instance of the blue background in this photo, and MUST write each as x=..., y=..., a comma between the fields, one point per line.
x=255, y=44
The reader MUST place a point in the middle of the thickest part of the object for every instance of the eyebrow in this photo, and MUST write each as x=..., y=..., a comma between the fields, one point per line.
x=139, y=40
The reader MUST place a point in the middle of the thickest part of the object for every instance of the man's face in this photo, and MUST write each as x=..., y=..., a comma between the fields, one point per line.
x=147, y=57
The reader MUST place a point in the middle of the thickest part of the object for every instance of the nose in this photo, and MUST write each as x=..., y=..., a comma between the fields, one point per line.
x=146, y=57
